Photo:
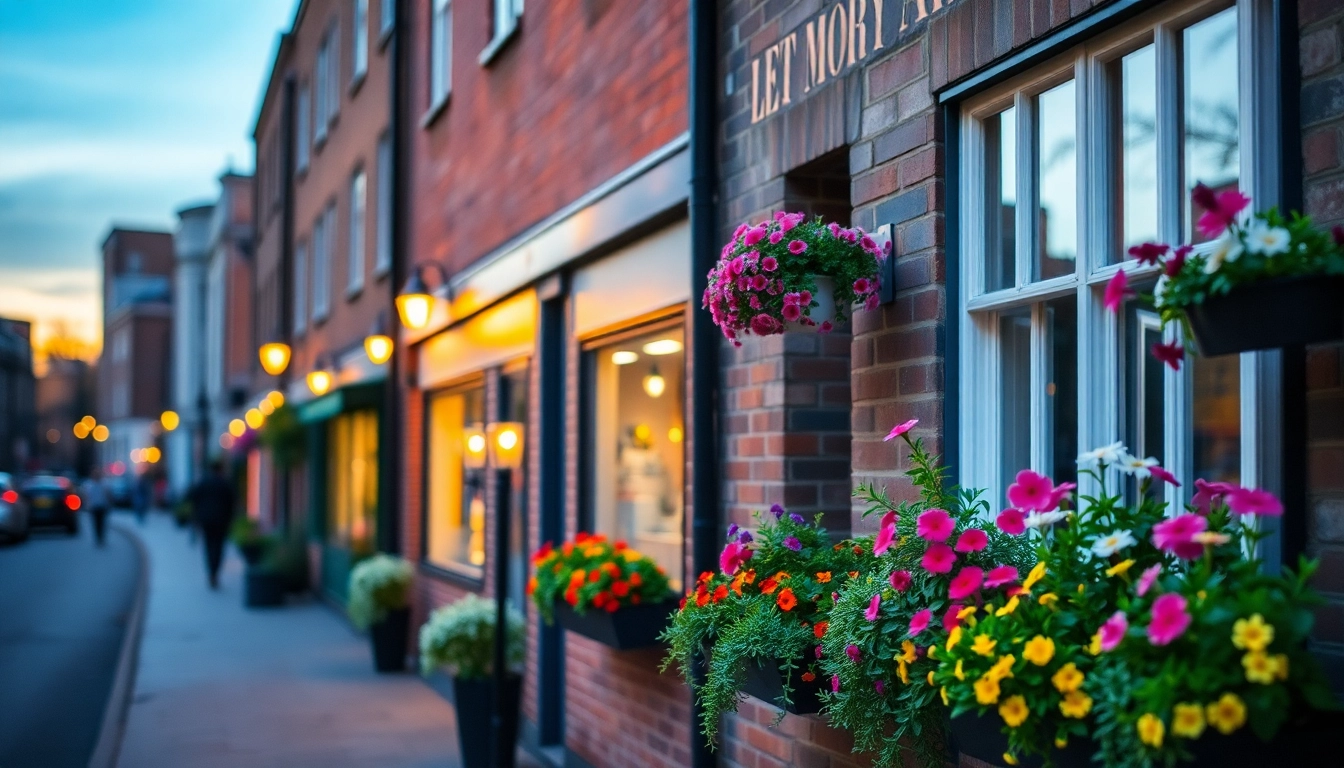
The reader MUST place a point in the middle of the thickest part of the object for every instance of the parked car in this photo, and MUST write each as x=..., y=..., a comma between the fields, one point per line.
x=51, y=501
x=13, y=510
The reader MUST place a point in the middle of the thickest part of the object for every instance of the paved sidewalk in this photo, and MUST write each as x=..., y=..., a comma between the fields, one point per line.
x=220, y=685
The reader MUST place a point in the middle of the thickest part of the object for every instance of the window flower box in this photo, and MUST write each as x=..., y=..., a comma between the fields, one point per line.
x=630, y=628
x=1276, y=313
x=765, y=681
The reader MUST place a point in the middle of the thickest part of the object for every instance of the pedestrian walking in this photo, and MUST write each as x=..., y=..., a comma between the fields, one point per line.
x=95, y=499
x=212, y=503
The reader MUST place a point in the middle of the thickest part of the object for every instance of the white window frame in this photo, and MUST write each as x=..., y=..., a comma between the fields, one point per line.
x=387, y=16
x=1099, y=358
x=333, y=72
x=303, y=118
x=359, y=207
x=301, y=287
x=382, y=261
x=322, y=237
x=504, y=15
x=440, y=54
x=360, y=57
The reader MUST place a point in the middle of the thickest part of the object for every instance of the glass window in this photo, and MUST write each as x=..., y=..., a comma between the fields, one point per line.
x=441, y=52
x=1056, y=182
x=1001, y=200
x=637, y=433
x=513, y=407
x=352, y=481
x=455, y=509
x=320, y=92
x=1145, y=385
x=1211, y=125
x=1134, y=90
x=300, y=287
x=358, y=206
x=1014, y=393
x=302, y=109
x=1217, y=417
x=361, y=63
x=388, y=14
x=323, y=230
x=506, y=17
x=383, y=258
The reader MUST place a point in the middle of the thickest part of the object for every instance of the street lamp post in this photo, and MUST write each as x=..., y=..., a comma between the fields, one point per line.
x=505, y=441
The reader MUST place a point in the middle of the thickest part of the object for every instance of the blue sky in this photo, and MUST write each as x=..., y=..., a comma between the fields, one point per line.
x=115, y=111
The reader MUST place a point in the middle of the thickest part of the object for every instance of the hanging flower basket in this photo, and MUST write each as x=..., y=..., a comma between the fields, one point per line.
x=791, y=273
x=627, y=629
x=1282, y=312
x=765, y=681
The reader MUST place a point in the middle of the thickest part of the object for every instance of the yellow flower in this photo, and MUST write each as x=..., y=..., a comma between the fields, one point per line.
x=1049, y=598
x=966, y=612
x=1187, y=721
x=1260, y=667
x=1151, y=729
x=959, y=672
x=909, y=653
x=1082, y=588
x=1061, y=742
x=1120, y=568
x=1039, y=650
x=1002, y=668
x=1014, y=711
x=1227, y=714
x=632, y=555
x=933, y=651
x=1094, y=647
x=1036, y=575
x=983, y=645
x=943, y=692
x=1281, y=667
x=954, y=637
x=987, y=690
x=1009, y=759
x=1076, y=704
x=903, y=670
x=1068, y=678
x=930, y=678
x=1008, y=608
x=1252, y=634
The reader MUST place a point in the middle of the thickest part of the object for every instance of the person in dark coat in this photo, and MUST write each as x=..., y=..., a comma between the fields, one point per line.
x=212, y=502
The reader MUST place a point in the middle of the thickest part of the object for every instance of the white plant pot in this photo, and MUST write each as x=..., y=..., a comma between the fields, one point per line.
x=825, y=309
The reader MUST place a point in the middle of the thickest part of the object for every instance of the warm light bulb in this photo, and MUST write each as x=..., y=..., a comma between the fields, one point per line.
x=237, y=427
x=662, y=347
x=624, y=357
x=254, y=418
x=378, y=347
x=265, y=407
x=655, y=384
x=319, y=382
x=274, y=357
x=100, y=433
x=81, y=430
x=152, y=454
x=674, y=434
x=276, y=398
x=89, y=423
x=476, y=443
x=508, y=439
x=414, y=309
x=137, y=455
x=169, y=420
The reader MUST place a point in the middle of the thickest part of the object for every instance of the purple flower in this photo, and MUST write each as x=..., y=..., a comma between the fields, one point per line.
x=853, y=652
x=744, y=537
x=817, y=651
x=835, y=683
x=795, y=517
x=732, y=530
x=777, y=511
x=793, y=543
x=879, y=687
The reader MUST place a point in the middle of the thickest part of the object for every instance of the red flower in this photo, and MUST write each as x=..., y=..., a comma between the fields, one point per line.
x=594, y=576
x=620, y=588
x=808, y=677
x=720, y=592
x=785, y=600
x=820, y=629
x=1148, y=253
x=769, y=585
x=1116, y=291
x=611, y=606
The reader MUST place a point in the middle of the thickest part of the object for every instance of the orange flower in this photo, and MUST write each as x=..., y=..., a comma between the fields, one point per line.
x=720, y=593
x=577, y=576
x=594, y=576
x=820, y=629
x=853, y=574
x=751, y=576
x=785, y=600
x=620, y=588
x=704, y=577
x=858, y=550
x=808, y=677
x=568, y=548
x=769, y=585
x=636, y=579
x=531, y=586
x=613, y=569
x=824, y=576
x=781, y=575
x=701, y=597
x=572, y=596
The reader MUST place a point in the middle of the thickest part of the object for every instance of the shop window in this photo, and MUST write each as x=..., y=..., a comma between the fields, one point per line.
x=1045, y=369
x=352, y=481
x=637, y=430
x=455, y=507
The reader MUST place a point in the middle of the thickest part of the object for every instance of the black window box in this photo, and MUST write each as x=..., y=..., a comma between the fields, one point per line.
x=631, y=627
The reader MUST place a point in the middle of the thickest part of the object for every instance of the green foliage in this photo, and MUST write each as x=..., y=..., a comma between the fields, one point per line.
x=461, y=636
x=245, y=531
x=285, y=437
x=590, y=573
x=378, y=584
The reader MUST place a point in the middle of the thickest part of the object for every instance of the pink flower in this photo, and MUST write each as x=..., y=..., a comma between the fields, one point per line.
x=1220, y=210
x=972, y=540
x=791, y=312
x=753, y=236
x=1164, y=475
x=1177, y=535
x=805, y=298
x=874, y=607
x=825, y=327
x=735, y=266
x=775, y=237
x=1032, y=492
x=886, y=534
x=759, y=282
x=1012, y=522
x=797, y=246
x=965, y=583
x=950, y=619
x=871, y=302
x=1253, y=501
x=755, y=303
x=1060, y=493
x=732, y=557
x=764, y=325
x=1209, y=493
x=1171, y=353
x=1173, y=265
x=880, y=687
x=938, y=558
x=744, y=283
x=920, y=621
x=852, y=651
x=743, y=227
x=1000, y=575
x=1169, y=620
x=776, y=288
x=769, y=264
x=788, y=222
x=899, y=580
x=1147, y=578
x=900, y=429
x=834, y=228
x=869, y=244
x=861, y=286
x=1116, y=291
x=1148, y=253
x=835, y=683
x=1113, y=631
x=935, y=525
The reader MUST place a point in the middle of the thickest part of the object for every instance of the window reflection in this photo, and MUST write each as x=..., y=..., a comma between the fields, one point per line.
x=455, y=535
x=1217, y=420
x=1057, y=181
x=1001, y=200
x=1134, y=84
x=1210, y=125
x=352, y=472
x=1061, y=387
x=1015, y=393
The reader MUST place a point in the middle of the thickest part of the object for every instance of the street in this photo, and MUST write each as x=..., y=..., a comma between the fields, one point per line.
x=63, y=611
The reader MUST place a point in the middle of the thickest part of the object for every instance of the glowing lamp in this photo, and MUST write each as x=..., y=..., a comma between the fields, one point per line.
x=414, y=302
x=378, y=347
x=100, y=433
x=276, y=398
x=319, y=382
x=624, y=357
x=237, y=427
x=506, y=444
x=169, y=420
x=274, y=357
x=662, y=347
x=654, y=384
x=89, y=423
x=474, y=446
x=152, y=454
x=81, y=430
x=265, y=407
x=254, y=418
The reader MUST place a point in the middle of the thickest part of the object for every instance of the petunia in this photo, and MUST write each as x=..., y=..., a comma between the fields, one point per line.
x=1173, y=265
x=1169, y=619
x=920, y=621
x=900, y=429
x=1170, y=353
x=935, y=525
x=853, y=652
x=1105, y=455
x=874, y=607
x=777, y=511
x=1148, y=253
x=797, y=518
x=886, y=534
x=861, y=286
x=1163, y=475
x=764, y=325
x=972, y=540
x=1176, y=535
x=952, y=620
x=1116, y=291
x=998, y=576
x=753, y=236
x=1031, y=491
x=1113, y=630
x=759, y=283
x=791, y=312
x=899, y=580
x=1220, y=209
x=775, y=237
x=879, y=687
x=1012, y=522
x=732, y=531
x=733, y=556
x=769, y=264
x=1253, y=501
x=938, y=558
x=744, y=537
x=965, y=583
x=793, y=543
x=1147, y=578
x=797, y=246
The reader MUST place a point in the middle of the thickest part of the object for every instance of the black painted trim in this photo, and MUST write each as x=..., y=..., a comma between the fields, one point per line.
x=950, y=114
x=551, y=511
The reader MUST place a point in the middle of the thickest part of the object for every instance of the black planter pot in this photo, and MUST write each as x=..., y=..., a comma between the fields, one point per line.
x=1310, y=740
x=252, y=551
x=635, y=626
x=1275, y=313
x=981, y=737
x=765, y=681
x=388, y=638
x=473, y=700
x=263, y=588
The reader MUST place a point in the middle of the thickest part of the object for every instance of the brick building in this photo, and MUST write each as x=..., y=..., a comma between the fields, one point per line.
x=18, y=398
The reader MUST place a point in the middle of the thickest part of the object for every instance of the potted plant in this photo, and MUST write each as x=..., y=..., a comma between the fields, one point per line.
x=759, y=619
x=604, y=591
x=1263, y=281
x=379, y=601
x=247, y=536
x=265, y=582
x=932, y=561
x=790, y=272
x=460, y=638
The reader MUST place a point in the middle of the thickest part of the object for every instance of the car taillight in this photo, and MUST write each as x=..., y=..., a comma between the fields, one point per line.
x=10, y=497
x=72, y=501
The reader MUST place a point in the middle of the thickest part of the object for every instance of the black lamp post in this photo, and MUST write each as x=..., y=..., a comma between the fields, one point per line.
x=505, y=440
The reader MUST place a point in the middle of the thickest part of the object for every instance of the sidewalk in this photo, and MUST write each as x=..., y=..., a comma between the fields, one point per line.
x=219, y=685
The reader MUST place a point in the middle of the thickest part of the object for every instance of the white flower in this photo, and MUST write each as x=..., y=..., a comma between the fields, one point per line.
x=1226, y=248
x=1161, y=288
x=1112, y=543
x=1044, y=519
x=1264, y=239
x=1106, y=454
x=1133, y=465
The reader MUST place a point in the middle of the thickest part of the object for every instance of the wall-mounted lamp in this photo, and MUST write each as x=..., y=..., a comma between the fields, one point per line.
x=475, y=447
x=100, y=433
x=378, y=345
x=254, y=418
x=506, y=444
x=169, y=420
x=274, y=357
x=654, y=384
x=414, y=302
x=237, y=427
x=276, y=398
x=319, y=381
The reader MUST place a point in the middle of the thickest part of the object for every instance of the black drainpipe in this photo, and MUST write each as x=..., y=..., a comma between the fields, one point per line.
x=705, y=337
x=398, y=105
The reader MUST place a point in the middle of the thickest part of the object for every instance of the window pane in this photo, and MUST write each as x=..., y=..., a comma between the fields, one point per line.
x=358, y=206
x=1144, y=385
x=1000, y=200
x=1217, y=422
x=1014, y=394
x=1056, y=182
x=1135, y=82
x=513, y=400
x=352, y=477
x=1061, y=387
x=1211, y=127
x=455, y=535
x=638, y=431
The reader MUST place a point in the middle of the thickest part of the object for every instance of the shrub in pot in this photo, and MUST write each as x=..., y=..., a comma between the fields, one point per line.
x=460, y=637
x=603, y=590
x=265, y=582
x=246, y=535
x=379, y=601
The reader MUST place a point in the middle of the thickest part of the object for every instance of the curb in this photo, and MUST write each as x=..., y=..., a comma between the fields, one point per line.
x=108, y=747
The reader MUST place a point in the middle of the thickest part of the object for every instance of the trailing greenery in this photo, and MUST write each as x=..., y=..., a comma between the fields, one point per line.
x=285, y=436
x=461, y=638
x=378, y=584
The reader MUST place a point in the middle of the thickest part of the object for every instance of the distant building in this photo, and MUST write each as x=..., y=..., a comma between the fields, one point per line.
x=186, y=447
x=64, y=396
x=18, y=414
x=229, y=350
